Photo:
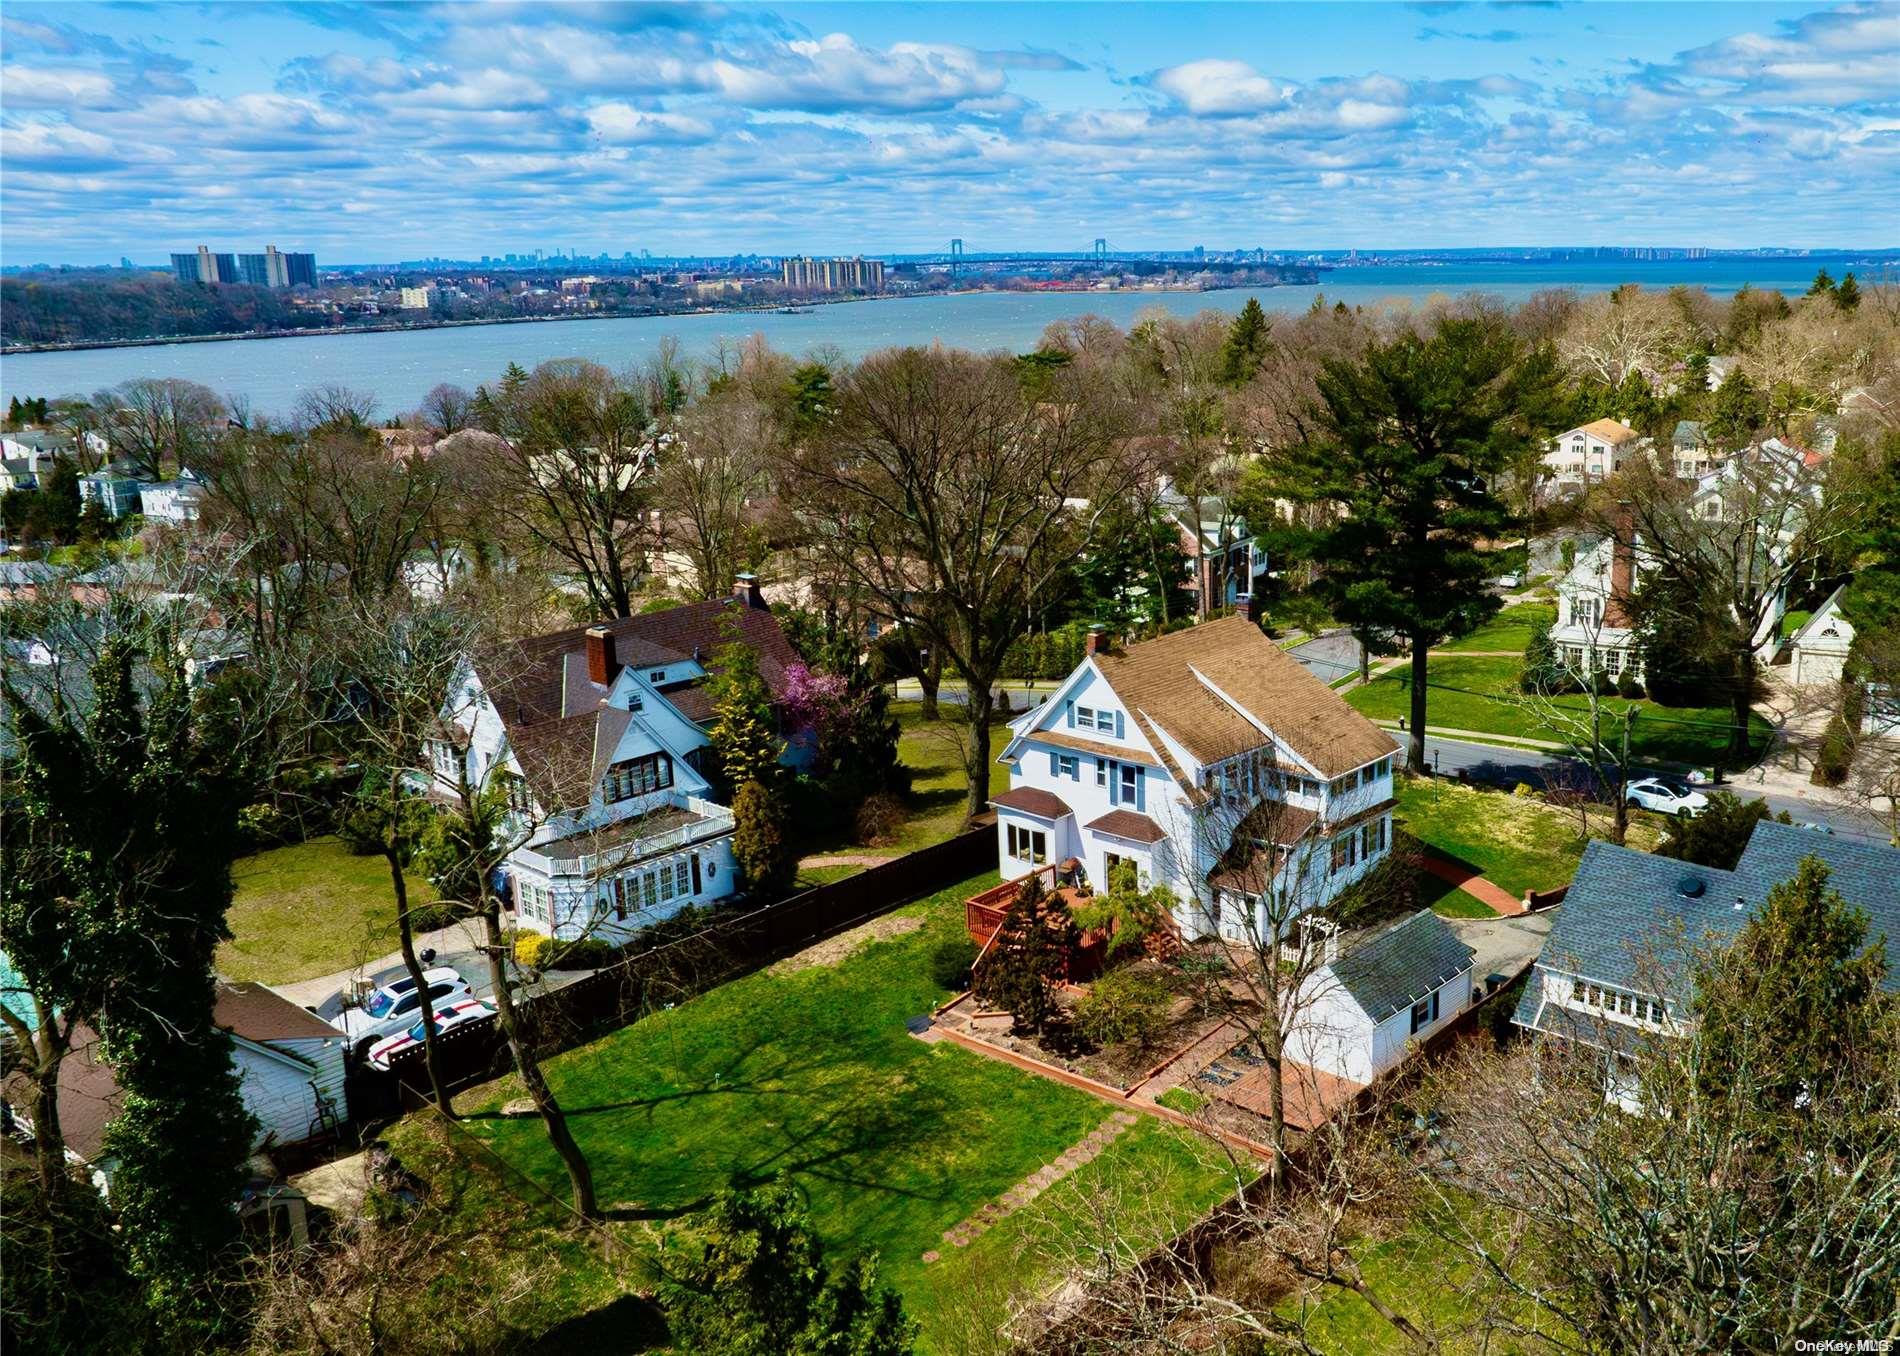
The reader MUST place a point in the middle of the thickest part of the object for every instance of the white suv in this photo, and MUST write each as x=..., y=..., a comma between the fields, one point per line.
x=393, y=1006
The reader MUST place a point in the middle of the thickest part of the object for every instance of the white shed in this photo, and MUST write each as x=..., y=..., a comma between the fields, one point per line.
x=1360, y=1013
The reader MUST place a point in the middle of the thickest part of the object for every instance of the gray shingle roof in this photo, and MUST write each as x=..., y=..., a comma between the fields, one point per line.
x=1398, y=967
x=1630, y=916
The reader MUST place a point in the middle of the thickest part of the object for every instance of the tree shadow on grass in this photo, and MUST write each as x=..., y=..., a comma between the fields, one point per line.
x=627, y=1324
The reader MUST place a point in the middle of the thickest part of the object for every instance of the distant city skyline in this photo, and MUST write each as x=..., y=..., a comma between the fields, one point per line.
x=392, y=132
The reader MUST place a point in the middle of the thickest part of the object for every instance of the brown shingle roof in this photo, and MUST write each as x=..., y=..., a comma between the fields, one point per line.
x=1030, y=800
x=260, y=1014
x=1610, y=431
x=1166, y=682
x=1069, y=741
x=1137, y=828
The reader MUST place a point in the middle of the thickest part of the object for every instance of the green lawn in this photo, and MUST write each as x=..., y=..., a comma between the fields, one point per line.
x=310, y=909
x=1518, y=843
x=811, y=1073
x=1509, y=630
x=1480, y=694
x=939, y=784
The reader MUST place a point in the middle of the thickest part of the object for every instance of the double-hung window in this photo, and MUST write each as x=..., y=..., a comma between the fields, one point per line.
x=1068, y=765
x=1345, y=850
x=1101, y=772
x=1130, y=781
x=1424, y=1012
x=1028, y=845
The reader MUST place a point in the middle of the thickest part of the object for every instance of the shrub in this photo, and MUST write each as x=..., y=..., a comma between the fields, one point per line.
x=1627, y=687
x=586, y=953
x=1123, y=1006
x=1028, y=959
x=1836, y=756
x=950, y=963
x=1717, y=836
x=531, y=949
x=1542, y=671
x=263, y=825
x=879, y=818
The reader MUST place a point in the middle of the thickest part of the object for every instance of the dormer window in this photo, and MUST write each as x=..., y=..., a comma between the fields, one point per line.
x=657, y=676
x=637, y=777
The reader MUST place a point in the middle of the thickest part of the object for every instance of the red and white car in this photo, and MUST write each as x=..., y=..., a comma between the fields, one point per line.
x=459, y=1013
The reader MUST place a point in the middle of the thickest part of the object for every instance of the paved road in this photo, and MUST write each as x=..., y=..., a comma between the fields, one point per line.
x=1495, y=765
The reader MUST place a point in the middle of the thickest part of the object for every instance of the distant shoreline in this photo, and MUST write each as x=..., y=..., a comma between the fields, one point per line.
x=773, y=308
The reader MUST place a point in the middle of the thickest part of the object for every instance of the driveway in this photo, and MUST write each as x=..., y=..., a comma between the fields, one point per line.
x=1329, y=657
x=1503, y=946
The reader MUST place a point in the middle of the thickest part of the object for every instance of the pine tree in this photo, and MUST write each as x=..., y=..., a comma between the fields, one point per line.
x=1029, y=957
x=1822, y=285
x=744, y=734
x=1737, y=411
x=1542, y=670
x=1847, y=295
x=1247, y=345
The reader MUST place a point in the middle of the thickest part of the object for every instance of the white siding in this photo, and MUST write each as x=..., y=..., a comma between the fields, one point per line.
x=276, y=1090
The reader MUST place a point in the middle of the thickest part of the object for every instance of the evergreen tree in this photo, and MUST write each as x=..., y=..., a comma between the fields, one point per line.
x=760, y=838
x=154, y=872
x=1247, y=345
x=1716, y=836
x=1737, y=411
x=750, y=1279
x=1412, y=438
x=744, y=733
x=1543, y=671
x=1635, y=401
x=1029, y=957
x=1790, y=1009
x=1847, y=295
x=1129, y=913
x=1822, y=286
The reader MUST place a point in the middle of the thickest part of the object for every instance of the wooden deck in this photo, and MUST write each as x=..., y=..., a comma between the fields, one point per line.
x=1311, y=1096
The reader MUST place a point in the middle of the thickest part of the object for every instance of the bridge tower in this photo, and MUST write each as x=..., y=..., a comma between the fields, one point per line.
x=956, y=256
x=1101, y=247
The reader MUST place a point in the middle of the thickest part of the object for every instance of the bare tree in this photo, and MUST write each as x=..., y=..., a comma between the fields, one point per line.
x=572, y=474
x=949, y=496
x=708, y=481
x=448, y=409
x=151, y=421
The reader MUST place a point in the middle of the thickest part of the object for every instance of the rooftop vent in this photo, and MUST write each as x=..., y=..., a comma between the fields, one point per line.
x=1690, y=887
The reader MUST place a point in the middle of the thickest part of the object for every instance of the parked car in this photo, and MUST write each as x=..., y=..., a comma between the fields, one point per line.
x=1507, y=581
x=1813, y=827
x=446, y=1019
x=1666, y=795
x=392, y=1006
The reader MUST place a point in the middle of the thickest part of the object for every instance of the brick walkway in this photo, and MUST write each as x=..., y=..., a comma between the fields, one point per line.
x=1037, y=1182
x=1474, y=884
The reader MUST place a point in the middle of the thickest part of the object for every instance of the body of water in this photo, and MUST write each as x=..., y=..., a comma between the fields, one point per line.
x=399, y=367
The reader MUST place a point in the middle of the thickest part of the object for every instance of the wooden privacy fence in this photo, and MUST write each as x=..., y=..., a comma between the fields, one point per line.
x=675, y=971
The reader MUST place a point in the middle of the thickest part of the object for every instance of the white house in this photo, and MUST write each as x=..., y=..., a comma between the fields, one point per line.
x=1819, y=649
x=1590, y=452
x=1212, y=761
x=289, y=1065
x=114, y=488
x=1359, y=1013
x=1592, y=631
x=174, y=502
x=599, y=736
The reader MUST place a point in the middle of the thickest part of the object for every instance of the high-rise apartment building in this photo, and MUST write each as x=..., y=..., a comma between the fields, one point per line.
x=833, y=275
x=269, y=269
x=273, y=269
x=205, y=267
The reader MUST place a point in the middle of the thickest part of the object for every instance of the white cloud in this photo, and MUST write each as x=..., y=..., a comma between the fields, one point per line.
x=1214, y=87
x=55, y=86
x=622, y=124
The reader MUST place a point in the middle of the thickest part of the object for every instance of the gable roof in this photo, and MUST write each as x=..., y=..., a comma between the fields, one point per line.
x=1630, y=917
x=1396, y=968
x=1200, y=686
x=1611, y=431
x=262, y=1015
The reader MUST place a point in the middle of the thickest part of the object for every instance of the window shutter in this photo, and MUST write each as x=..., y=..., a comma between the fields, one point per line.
x=1114, y=784
x=1052, y=763
x=1141, y=789
x=1071, y=714
x=1120, y=733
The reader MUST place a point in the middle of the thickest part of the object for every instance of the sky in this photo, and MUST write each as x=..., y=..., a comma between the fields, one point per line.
x=385, y=131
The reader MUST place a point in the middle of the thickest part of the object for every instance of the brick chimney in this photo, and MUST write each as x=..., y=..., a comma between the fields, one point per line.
x=1248, y=606
x=1098, y=639
x=1622, y=569
x=746, y=591
x=600, y=655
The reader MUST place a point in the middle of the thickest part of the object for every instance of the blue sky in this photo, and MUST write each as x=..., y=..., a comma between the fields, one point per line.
x=386, y=131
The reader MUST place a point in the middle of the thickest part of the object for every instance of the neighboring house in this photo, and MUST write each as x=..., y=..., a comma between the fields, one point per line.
x=1590, y=452
x=1592, y=631
x=1225, y=561
x=1694, y=454
x=1720, y=365
x=19, y=473
x=1818, y=651
x=599, y=735
x=1357, y=1014
x=114, y=488
x=173, y=502
x=1616, y=967
x=1213, y=762
x=289, y=1064
x=432, y=573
